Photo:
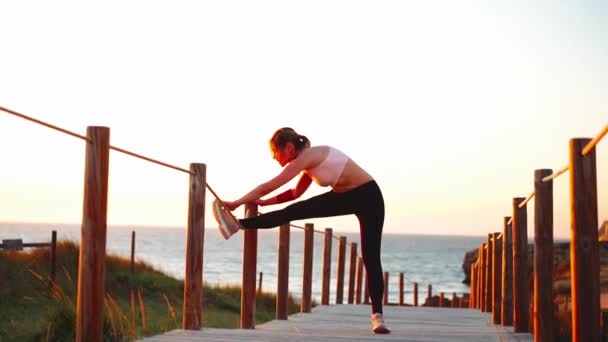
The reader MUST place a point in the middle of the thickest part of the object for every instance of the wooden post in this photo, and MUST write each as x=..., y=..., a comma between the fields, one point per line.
x=472, y=285
x=454, y=299
x=326, y=266
x=482, y=278
x=496, y=279
x=53, y=255
x=441, y=300
x=429, y=295
x=92, y=259
x=401, y=289
x=489, y=274
x=359, y=281
x=415, y=294
x=283, y=272
x=507, y=272
x=385, y=301
x=520, y=267
x=351, y=273
x=543, y=257
x=195, y=239
x=260, y=282
x=341, y=267
x=604, y=336
x=132, y=252
x=309, y=240
x=584, y=254
x=250, y=256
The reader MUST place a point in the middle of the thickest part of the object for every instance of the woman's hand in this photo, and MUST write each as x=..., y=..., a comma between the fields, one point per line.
x=261, y=202
x=231, y=205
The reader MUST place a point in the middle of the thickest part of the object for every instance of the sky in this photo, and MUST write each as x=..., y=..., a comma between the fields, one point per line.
x=449, y=105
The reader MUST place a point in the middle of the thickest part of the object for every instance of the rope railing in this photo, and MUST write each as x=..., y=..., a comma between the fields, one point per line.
x=133, y=154
x=524, y=202
x=591, y=145
x=45, y=124
x=557, y=174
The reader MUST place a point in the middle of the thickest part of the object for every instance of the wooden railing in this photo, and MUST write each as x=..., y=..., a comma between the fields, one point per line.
x=491, y=273
x=91, y=269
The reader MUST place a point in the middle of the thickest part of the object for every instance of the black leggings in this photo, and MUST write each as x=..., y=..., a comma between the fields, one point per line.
x=365, y=201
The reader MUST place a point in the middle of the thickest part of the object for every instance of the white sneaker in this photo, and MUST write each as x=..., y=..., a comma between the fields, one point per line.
x=227, y=224
x=378, y=326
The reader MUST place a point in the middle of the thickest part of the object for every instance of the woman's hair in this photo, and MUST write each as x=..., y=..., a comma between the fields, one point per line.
x=286, y=134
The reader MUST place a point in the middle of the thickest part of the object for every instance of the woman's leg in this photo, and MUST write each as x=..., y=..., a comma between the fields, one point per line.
x=371, y=221
x=324, y=205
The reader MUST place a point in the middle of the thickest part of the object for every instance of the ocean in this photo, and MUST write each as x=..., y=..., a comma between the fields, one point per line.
x=425, y=259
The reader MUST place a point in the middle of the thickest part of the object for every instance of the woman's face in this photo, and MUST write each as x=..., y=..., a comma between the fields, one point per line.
x=283, y=155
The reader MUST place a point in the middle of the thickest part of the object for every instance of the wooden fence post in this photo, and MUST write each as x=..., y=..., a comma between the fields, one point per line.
x=309, y=240
x=401, y=288
x=359, y=280
x=543, y=257
x=250, y=256
x=482, y=278
x=351, y=273
x=195, y=239
x=584, y=263
x=132, y=252
x=326, y=266
x=92, y=259
x=260, y=278
x=507, y=271
x=386, y=288
x=415, y=294
x=496, y=278
x=441, y=300
x=520, y=267
x=283, y=272
x=53, y=255
x=473, y=284
x=454, y=299
x=429, y=295
x=488, y=256
x=341, y=267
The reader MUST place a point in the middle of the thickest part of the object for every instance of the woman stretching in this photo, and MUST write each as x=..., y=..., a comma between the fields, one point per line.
x=354, y=191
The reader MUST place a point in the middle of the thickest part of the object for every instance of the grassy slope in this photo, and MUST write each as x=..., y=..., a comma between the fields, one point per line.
x=32, y=310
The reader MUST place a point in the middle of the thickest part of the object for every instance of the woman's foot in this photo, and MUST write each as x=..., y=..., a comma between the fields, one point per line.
x=227, y=224
x=378, y=326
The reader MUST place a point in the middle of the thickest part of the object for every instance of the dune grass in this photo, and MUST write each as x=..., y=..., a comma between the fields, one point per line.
x=147, y=302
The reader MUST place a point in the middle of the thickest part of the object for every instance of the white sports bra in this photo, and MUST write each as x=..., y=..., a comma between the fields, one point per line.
x=330, y=169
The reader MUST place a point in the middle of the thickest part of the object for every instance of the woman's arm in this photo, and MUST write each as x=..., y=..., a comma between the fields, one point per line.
x=289, y=195
x=289, y=172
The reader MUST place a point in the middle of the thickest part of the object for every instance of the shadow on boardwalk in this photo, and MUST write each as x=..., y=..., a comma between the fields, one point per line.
x=351, y=323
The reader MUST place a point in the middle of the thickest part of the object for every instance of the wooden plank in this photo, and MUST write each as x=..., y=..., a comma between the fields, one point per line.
x=351, y=323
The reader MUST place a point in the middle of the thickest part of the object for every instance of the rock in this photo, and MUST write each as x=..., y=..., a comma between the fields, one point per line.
x=469, y=258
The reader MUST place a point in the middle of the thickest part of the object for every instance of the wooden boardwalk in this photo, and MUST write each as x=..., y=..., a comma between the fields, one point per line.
x=351, y=323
